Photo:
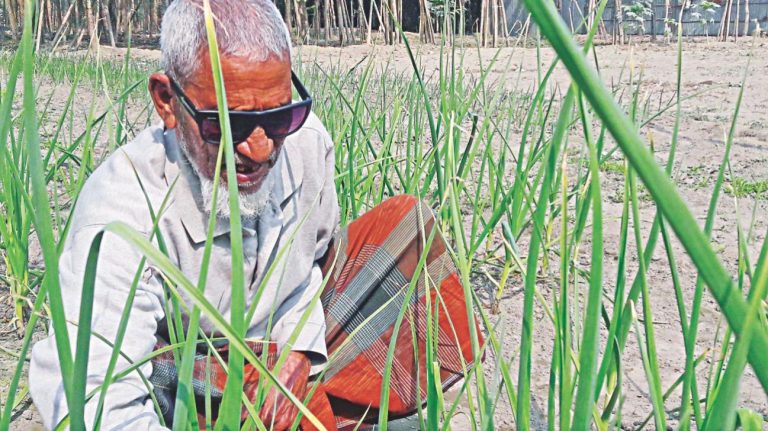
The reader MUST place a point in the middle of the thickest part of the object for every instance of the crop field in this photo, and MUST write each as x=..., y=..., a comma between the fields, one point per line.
x=606, y=206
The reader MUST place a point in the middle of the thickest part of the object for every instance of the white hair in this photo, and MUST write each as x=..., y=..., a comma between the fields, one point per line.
x=251, y=205
x=253, y=29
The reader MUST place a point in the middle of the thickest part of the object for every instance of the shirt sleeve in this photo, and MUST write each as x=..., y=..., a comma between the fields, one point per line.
x=127, y=405
x=311, y=336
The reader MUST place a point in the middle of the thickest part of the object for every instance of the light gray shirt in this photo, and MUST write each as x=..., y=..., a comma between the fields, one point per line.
x=300, y=219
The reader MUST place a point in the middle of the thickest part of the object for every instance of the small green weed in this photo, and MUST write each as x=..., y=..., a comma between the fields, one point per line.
x=741, y=187
x=699, y=176
x=613, y=167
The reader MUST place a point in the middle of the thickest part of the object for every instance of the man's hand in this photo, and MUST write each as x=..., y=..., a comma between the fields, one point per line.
x=278, y=412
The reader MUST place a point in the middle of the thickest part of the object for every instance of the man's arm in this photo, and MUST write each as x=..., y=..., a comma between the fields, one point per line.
x=126, y=404
x=278, y=412
x=324, y=220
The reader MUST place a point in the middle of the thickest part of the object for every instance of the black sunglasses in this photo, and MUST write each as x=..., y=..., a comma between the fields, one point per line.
x=277, y=122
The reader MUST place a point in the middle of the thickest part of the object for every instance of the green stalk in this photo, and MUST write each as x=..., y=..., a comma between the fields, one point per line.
x=230, y=410
x=521, y=174
x=77, y=398
x=660, y=186
x=10, y=402
x=185, y=407
x=13, y=177
x=526, y=341
x=614, y=360
x=649, y=351
x=625, y=325
x=42, y=213
x=723, y=411
x=411, y=289
x=564, y=319
x=589, y=352
x=123, y=325
x=689, y=386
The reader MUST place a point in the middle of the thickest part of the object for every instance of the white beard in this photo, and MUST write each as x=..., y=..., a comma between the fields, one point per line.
x=251, y=205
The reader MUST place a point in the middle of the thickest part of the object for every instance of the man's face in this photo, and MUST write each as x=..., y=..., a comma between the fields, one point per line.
x=250, y=86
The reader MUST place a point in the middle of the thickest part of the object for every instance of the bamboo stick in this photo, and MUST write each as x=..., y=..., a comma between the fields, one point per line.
x=93, y=25
x=12, y=19
x=425, y=23
x=504, y=23
x=362, y=20
x=64, y=23
x=108, y=24
x=327, y=19
x=746, y=17
x=483, y=22
x=50, y=17
x=288, y=16
x=40, y=26
x=370, y=21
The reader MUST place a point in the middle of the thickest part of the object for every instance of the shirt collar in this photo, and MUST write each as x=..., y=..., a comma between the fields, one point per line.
x=188, y=199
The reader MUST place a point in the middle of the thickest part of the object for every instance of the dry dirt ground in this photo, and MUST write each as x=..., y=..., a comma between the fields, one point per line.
x=713, y=69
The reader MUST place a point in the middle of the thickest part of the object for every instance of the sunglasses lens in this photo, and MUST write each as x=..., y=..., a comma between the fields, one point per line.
x=210, y=130
x=300, y=115
x=241, y=128
x=284, y=123
x=277, y=124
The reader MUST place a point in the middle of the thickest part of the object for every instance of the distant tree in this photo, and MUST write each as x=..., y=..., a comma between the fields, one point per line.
x=635, y=14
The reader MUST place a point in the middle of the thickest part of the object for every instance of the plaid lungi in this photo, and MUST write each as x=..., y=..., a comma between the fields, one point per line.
x=371, y=263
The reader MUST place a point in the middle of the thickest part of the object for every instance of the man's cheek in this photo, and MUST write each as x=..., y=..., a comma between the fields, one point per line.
x=278, y=145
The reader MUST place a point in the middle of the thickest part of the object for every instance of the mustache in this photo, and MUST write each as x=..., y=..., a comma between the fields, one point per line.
x=241, y=160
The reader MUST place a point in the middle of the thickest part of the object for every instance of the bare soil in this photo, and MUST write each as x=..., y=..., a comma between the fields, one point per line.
x=714, y=70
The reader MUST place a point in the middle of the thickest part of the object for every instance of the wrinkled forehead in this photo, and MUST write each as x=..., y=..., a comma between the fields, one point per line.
x=235, y=68
x=249, y=84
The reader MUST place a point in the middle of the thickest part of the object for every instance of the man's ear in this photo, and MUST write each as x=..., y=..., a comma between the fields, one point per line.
x=162, y=94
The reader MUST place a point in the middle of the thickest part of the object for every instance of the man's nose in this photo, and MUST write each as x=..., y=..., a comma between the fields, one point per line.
x=258, y=147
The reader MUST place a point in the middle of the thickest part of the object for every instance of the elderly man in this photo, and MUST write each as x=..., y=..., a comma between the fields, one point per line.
x=284, y=163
